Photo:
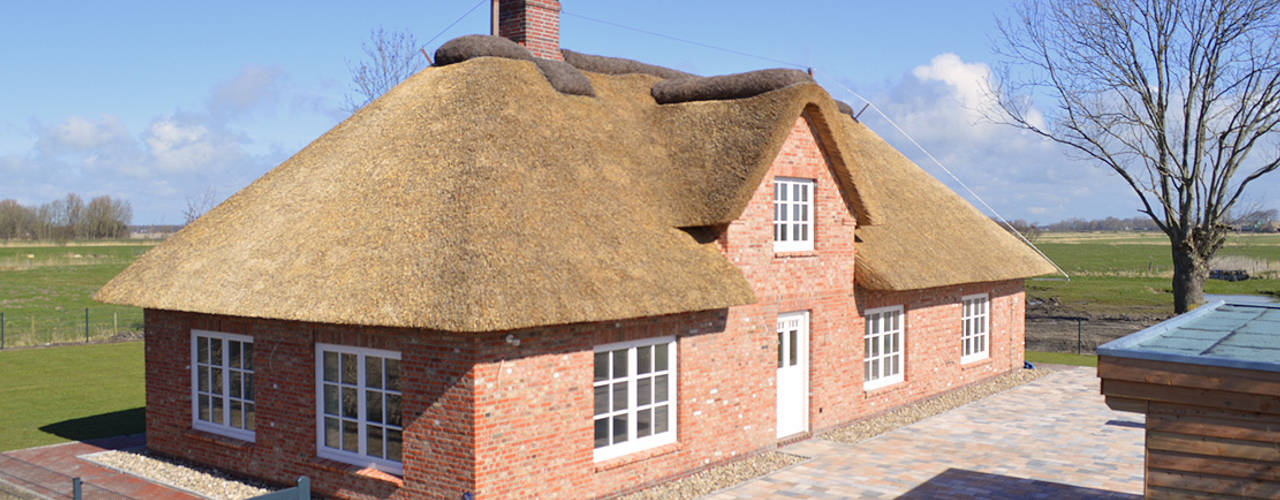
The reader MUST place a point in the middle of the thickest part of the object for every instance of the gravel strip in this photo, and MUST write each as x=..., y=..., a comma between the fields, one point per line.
x=718, y=478
x=196, y=479
x=910, y=414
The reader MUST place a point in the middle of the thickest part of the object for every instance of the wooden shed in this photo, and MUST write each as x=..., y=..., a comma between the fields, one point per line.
x=1209, y=384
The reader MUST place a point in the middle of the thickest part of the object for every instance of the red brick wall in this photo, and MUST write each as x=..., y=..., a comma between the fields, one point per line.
x=438, y=428
x=498, y=419
x=932, y=337
x=537, y=414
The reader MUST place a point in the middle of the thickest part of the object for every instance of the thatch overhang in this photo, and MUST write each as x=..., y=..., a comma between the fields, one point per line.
x=475, y=197
x=927, y=235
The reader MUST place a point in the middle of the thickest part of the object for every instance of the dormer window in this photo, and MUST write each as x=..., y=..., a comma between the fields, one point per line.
x=792, y=214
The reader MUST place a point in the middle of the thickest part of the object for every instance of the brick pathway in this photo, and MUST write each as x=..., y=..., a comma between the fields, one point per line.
x=1050, y=438
x=47, y=471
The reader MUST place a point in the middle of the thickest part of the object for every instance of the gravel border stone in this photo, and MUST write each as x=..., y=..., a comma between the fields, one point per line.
x=912, y=413
x=718, y=478
x=191, y=478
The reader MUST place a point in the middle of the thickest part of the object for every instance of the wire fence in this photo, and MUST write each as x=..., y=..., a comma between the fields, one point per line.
x=1080, y=335
x=88, y=325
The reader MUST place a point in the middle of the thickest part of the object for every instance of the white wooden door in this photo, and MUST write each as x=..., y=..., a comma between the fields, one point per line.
x=793, y=373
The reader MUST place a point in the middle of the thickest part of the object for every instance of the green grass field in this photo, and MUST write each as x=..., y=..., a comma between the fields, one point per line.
x=1130, y=273
x=70, y=393
x=44, y=290
x=1060, y=358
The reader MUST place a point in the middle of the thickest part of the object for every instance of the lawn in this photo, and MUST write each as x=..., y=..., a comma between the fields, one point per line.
x=70, y=393
x=46, y=289
x=1060, y=358
x=1130, y=273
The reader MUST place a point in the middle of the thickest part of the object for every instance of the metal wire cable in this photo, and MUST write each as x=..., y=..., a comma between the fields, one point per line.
x=953, y=177
x=846, y=88
x=682, y=40
x=455, y=22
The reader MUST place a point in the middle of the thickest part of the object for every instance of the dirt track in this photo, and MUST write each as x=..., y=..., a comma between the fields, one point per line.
x=1059, y=335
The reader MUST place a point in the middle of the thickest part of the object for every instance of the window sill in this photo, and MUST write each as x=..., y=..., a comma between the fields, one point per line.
x=219, y=439
x=625, y=460
x=358, y=471
x=974, y=363
x=897, y=384
x=794, y=254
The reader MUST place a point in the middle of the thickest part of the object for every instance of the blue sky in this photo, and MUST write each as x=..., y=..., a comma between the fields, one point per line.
x=156, y=102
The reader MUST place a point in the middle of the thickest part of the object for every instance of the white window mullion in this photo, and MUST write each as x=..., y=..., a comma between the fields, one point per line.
x=362, y=386
x=226, y=382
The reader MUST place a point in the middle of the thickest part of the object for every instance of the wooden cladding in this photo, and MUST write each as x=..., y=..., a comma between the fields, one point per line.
x=1210, y=431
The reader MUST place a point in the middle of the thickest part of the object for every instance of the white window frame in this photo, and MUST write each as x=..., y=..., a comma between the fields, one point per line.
x=975, y=326
x=360, y=457
x=880, y=342
x=785, y=211
x=633, y=444
x=225, y=428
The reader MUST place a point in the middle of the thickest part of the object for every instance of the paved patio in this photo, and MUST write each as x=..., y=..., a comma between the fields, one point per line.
x=46, y=472
x=1050, y=438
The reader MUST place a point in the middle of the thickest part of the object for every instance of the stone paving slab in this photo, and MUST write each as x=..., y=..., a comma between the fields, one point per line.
x=1053, y=437
x=46, y=471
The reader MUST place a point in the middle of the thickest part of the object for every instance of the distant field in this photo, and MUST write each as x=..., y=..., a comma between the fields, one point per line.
x=45, y=288
x=1130, y=273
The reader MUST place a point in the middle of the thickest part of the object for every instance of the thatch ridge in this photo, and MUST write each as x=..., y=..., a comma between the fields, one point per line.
x=735, y=86
x=618, y=66
x=474, y=198
x=565, y=78
x=844, y=107
x=469, y=47
x=458, y=201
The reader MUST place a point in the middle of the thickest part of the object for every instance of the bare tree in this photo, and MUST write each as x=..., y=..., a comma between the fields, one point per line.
x=390, y=58
x=1173, y=95
x=199, y=205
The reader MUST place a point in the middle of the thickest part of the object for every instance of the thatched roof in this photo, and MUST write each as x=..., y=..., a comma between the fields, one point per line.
x=927, y=235
x=475, y=197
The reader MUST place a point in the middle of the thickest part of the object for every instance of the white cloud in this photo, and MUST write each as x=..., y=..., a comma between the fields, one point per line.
x=177, y=147
x=946, y=105
x=81, y=133
x=969, y=82
x=254, y=87
x=176, y=155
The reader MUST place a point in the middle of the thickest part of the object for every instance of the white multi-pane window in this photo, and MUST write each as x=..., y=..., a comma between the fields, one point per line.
x=975, y=318
x=222, y=383
x=883, y=363
x=635, y=396
x=358, y=406
x=792, y=214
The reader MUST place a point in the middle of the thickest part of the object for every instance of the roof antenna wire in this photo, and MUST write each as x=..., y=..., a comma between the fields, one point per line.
x=953, y=176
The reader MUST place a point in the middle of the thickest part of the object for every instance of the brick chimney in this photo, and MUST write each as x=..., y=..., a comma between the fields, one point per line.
x=535, y=24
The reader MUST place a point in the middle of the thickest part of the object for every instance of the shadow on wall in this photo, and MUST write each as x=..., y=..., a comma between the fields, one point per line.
x=116, y=423
x=960, y=483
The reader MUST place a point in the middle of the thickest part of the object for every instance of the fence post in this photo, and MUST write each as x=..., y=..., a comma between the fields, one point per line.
x=86, y=325
x=304, y=488
x=76, y=488
x=1, y=330
x=1079, y=334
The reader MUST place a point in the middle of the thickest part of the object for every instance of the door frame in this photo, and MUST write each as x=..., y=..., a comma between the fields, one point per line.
x=803, y=365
